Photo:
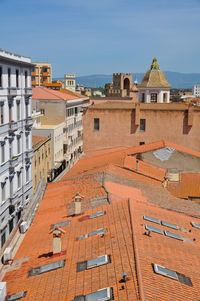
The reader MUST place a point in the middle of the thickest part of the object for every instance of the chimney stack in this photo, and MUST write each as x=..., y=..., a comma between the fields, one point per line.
x=77, y=209
x=57, y=233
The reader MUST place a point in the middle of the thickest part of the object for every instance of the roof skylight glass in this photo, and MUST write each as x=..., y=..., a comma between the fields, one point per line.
x=93, y=233
x=97, y=214
x=169, y=225
x=47, y=268
x=153, y=229
x=151, y=219
x=16, y=296
x=61, y=224
x=196, y=225
x=97, y=261
x=165, y=272
x=101, y=295
x=173, y=235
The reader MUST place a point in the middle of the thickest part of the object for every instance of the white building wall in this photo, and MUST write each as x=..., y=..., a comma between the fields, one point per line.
x=196, y=90
x=15, y=191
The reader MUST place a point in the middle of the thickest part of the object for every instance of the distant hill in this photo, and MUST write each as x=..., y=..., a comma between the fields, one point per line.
x=176, y=79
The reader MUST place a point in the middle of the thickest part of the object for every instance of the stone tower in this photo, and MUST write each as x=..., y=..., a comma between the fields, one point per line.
x=122, y=83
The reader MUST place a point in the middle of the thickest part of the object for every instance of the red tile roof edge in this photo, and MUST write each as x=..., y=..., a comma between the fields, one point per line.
x=136, y=254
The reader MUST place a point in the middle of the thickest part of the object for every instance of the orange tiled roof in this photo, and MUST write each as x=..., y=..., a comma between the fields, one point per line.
x=38, y=139
x=188, y=186
x=45, y=93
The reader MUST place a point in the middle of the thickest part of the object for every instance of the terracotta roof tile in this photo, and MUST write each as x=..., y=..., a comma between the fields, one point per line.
x=45, y=93
x=188, y=186
x=38, y=139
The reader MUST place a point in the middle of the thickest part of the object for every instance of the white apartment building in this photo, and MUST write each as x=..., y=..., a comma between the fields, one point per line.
x=15, y=140
x=196, y=90
x=70, y=82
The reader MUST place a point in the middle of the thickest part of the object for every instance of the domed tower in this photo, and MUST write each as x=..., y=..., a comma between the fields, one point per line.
x=154, y=86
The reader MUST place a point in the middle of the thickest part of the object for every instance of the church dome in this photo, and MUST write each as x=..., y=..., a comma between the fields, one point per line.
x=154, y=77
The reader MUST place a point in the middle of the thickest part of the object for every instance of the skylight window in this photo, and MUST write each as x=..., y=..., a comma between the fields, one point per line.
x=196, y=225
x=47, y=268
x=158, y=269
x=97, y=214
x=101, y=295
x=151, y=219
x=97, y=232
x=173, y=235
x=169, y=225
x=165, y=272
x=86, y=265
x=153, y=229
x=61, y=224
x=16, y=296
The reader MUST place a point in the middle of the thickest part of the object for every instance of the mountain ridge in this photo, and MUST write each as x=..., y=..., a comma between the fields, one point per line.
x=176, y=79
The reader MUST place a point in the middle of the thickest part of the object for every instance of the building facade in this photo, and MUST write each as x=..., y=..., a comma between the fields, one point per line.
x=15, y=140
x=41, y=74
x=196, y=90
x=70, y=82
x=154, y=86
x=42, y=162
x=63, y=109
x=108, y=125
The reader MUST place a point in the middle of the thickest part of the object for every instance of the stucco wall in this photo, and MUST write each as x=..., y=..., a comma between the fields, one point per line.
x=118, y=127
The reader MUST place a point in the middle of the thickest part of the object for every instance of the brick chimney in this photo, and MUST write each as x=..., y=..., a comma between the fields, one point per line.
x=57, y=233
x=77, y=204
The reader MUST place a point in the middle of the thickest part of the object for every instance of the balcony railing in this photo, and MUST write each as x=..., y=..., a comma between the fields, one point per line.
x=12, y=91
x=28, y=91
x=28, y=154
x=14, y=162
x=28, y=122
x=13, y=126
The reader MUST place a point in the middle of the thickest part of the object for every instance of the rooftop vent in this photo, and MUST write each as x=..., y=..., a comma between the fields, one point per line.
x=46, y=268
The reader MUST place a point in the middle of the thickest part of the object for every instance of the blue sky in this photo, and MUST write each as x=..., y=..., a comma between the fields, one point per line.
x=104, y=36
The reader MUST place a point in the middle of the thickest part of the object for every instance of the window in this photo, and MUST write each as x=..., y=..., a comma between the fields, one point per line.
x=19, y=184
x=3, y=192
x=142, y=125
x=101, y=295
x=141, y=143
x=47, y=268
x=164, y=97
x=2, y=153
x=26, y=79
x=97, y=214
x=173, y=235
x=96, y=124
x=3, y=239
x=11, y=187
x=27, y=142
x=35, y=180
x=26, y=109
x=18, y=111
x=1, y=81
x=158, y=269
x=97, y=232
x=61, y=224
x=196, y=225
x=1, y=112
x=153, y=97
x=154, y=229
x=16, y=296
x=169, y=225
x=17, y=78
x=18, y=145
x=143, y=97
x=86, y=265
x=42, y=111
x=151, y=219
x=27, y=174
x=9, y=78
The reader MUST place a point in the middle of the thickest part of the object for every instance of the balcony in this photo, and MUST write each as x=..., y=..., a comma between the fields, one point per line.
x=28, y=122
x=28, y=91
x=12, y=92
x=28, y=155
x=14, y=161
x=45, y=74
x=13, y=127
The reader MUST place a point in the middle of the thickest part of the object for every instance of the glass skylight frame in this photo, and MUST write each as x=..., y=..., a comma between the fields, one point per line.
x=47, y=268
x=154, y=229
x=169, y=225
x=173, y=235
x=97, y=214
x=195, y=225
x=151, y=219
x=61, y=224
x=100, y=260
x=160, y=270
x=94, y=296
x=16, y=296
